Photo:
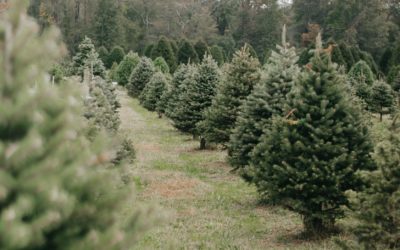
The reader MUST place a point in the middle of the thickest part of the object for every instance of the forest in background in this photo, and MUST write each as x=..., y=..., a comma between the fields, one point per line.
x=370, y=25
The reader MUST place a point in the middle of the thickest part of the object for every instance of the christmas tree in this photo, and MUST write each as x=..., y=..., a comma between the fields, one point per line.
x=201, y=48
x=377, y=207
x=186, y=53
x=161, y=65
x=126, y=67
x=240, y=76
x=151, y=94
x=361, y=72
x=116, y=55
x=382, y=98
x=347, y=55
x=309, y=157
x=103, y=55
x=171, y=97
x=217, y=54
x=87, y=57
x=163, y=49
x=141, y=75
x=267, y=99
x=57, y=191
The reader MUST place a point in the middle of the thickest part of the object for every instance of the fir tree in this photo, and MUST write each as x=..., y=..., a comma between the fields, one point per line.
x=217, y=54
x=56, y=189
x=382, y=98
x=252, y=51
x=105, y=24
x=377, y=207
x=239, y=78
x=201, y=48
x=186, y=53
x=116, y=55
x=394, y=74
x=87, y=57
x=103, y=55
x=163, y=49
x=198, y=90
x=309, y=159
x=361, y=72
x=140, y=76
x=268, y=98
x=148, y=49
x=126, y=67
x=171, y=97
x=151, y=94
x=161, y=65
x=112, y=73
x=337, y=56
x=347, y=55
x=386, y=59
x=367, y=57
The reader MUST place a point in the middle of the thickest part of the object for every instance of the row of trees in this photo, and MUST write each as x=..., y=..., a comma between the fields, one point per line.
x=62, y=184
x=297, y=133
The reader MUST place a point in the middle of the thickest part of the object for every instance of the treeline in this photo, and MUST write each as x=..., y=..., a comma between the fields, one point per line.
x=370, y=25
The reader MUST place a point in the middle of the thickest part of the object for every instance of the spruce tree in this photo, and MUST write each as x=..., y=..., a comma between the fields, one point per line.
x=308, y=159
x=217, y=54
x=171, y=97
x=377, y=207
x=267, y=99
x=394, y=74
x=386, y=60
x=382, y=98
x=240, y=76
x=202, y=49
x=105, y=24
x=152, y=93
x=87, y=57
x=347, y=55
x=140, y=76
x=361, y=72
x=161, y=65
x=57, y=191
x=148, y=49
x=116, y=55
x=367, y=57
x=112, y=73
x=337, y=56
x=163, y=49
x=103, y=55
x=186, y=53
x=252, y=51
x=126, y=67
x=198, y=90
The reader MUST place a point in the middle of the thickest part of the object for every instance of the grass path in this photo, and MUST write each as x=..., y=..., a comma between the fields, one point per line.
x=206, y=206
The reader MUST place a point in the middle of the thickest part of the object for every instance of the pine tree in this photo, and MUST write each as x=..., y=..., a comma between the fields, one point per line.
x=337, y=56
x=386, y=59
x=140, y=76
x=382, y=98
x=186, y=53
x=87, y=57
x=308, y=159
x=202, y=49
x=198, y=90
x=367, y=57
x=377, y=207
x=171, y=97
x=161, y=65
x=394, y=73
x=267, y=99
x=361, y=72
x=126, y=67
x=163, y=49
x=112, y=74
x=103, y=55
x=56, y=189
x=239, y=78
x=252, y=51
x=151, y=94
x=116, y=55
x=347, y=55
x=148, y=49
x=217, y=54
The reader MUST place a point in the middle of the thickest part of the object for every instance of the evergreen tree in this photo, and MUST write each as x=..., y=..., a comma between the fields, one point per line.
x=161, y=65
x=152, y=93
x=382, y=98
x=174, y=47
x=116, y=55
x=386, y=60
x=377, y=207
x=252, y=51
x=367, y=57
x=347, y=55
x=112, y=74
x=217, y=54
x=171, y=97
x=356, y=53
x=239, y=78
x=140, y=76
x=87, y=57
x=268, y=98
x=202, y=49
x=361, y=72
x=198, y=90
x=186, y=53
x=306, y=55
x=103, y=55
x=105, y=25
x=309, y=159
x=394, y=74
x=148, y=49
x=337, y=56
x=56, y=189
x=163, y=49
x=126, y=67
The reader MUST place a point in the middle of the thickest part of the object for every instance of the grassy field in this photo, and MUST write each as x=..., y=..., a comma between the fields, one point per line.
x=206, y=206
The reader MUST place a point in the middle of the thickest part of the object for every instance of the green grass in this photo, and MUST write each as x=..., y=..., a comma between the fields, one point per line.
x=206, y=206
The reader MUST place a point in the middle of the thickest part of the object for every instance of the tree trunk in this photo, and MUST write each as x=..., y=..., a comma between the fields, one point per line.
x=160, y=115
x=203, y=143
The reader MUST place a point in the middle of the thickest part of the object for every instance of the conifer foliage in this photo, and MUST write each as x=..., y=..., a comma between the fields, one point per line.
x=152, y=93
x=56, y=191
x=308, y=159
x=187, y=53
x=240, y=76
x=267, y=99
x=126, y=67
x=140, y=76
x=88, y=58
